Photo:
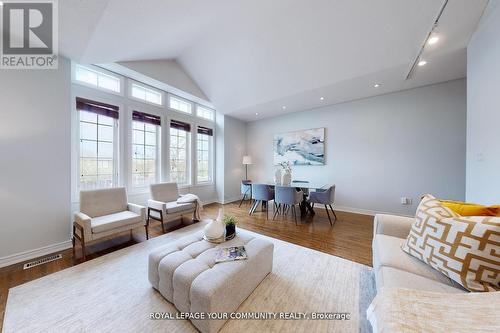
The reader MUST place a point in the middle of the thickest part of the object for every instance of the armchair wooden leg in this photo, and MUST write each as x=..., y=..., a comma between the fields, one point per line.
x=147, y=231
x=81, y=238
x=327, y=213
x=162, y=225
x=73, y=240
x=335, y=215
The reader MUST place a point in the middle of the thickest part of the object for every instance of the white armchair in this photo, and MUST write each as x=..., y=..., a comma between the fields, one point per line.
x=104, y=213
x=163, y=206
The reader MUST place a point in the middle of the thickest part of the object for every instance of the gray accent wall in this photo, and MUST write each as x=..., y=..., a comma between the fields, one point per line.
x=35, y=150
x=379, y=149
x=483, y=109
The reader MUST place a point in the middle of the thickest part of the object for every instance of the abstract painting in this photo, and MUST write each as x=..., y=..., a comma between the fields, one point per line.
x=305, y=147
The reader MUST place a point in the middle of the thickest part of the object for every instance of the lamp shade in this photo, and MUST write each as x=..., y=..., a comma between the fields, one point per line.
x=247, y=159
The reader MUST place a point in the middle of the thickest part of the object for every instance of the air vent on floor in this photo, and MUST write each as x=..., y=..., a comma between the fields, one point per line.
x=42, y=261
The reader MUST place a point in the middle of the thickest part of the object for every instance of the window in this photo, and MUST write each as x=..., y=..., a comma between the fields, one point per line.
x=145, y=148
x=146, y=94
x=97, y=79
x=97, y=144
x=204, y=149
x=180, y=104
x=179, y=152
x=204, y=112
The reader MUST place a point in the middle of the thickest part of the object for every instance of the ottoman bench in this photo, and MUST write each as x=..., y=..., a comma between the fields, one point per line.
x=185, y=273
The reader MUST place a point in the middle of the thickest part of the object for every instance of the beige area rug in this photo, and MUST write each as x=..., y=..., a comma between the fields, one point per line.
x=112, y=294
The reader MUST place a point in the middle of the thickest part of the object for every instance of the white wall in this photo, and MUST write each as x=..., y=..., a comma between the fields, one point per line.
x=235, y=147
x=381, y=148
x=166, y=71
x=230, y=148
x=483, y=110
x=35, y=160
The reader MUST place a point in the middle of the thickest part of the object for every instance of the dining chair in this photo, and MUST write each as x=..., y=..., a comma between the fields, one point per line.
x=324, y=197
x=246, y=189
x=261, y=193
x=286, y=198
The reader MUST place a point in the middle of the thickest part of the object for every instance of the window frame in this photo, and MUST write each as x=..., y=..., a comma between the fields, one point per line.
x=197, y=106
x=130, y=85
x=158, y=159
x=193, y=107
x=211, y=157
x=189, y=147
x=98, y=70
x=116, y=150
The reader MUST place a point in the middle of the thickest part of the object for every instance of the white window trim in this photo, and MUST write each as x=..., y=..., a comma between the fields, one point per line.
x=129, y=93
x=159, y=161
x=211, y=158
x=193, y=105
x=75, y=160
x=123, y=133
x=189, y=149
x=97, y=69
x=204, y=107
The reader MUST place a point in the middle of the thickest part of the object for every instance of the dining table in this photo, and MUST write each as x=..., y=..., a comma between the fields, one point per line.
x=305, y=186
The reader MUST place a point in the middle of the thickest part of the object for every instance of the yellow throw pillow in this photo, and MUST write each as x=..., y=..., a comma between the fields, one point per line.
x=466, y=249
x=470, y=209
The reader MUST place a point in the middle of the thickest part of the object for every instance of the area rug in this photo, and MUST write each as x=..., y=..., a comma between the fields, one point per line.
x=112, y=294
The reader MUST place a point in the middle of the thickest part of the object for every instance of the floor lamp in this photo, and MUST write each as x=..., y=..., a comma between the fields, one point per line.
x=246, y=161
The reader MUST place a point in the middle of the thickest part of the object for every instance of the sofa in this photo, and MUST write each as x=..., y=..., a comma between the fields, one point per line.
x=105, y=213
x=395, y=268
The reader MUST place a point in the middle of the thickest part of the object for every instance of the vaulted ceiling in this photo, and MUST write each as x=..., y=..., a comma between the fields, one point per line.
x=279, y=56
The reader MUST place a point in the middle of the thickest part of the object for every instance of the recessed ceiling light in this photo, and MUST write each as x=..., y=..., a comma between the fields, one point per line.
x=433, y=40
x=422, y=63
x=376, y=85
x=322, y=98
x=284, y=107
x=256, y=113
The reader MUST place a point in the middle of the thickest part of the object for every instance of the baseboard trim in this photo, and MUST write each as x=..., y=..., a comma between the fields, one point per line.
x=31, y=254
x=361, y=211
x=228, y=200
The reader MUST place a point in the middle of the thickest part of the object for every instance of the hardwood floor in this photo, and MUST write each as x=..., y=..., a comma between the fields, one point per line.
x=349, y=238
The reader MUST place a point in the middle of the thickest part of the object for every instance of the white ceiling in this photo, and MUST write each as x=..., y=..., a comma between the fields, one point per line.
x=257, y=56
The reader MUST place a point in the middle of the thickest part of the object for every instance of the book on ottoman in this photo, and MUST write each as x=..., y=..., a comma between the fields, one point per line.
x=230, y=253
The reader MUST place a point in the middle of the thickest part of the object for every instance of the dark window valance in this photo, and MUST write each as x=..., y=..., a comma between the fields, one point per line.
x=103, y=109
x=205, y=130
x=180, y=125
x=146, y=118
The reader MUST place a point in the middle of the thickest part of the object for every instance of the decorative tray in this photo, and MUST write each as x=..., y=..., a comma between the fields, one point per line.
x=219, y=240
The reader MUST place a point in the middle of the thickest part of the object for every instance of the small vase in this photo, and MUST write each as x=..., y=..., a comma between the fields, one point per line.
x=286, y=178
x=277, y=177
x=230, y=231
x=216, y=229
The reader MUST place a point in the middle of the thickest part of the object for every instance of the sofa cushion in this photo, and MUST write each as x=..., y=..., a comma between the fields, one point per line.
x=387, y=252
x=113, y=221
x=103, y=202
x=395, y=278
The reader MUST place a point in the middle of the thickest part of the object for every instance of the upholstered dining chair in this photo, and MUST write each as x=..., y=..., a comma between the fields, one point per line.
x=262, y=193
x=324, y=197
x=246, y=190
x=286, y=198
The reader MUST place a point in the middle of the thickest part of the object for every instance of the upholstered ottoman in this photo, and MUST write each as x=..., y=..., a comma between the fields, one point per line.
x=186, y=274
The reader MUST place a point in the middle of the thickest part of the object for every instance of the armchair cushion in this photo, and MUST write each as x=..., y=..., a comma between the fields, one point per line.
x=114, y=221
x=103, y=202
x=174, y=207
x=164, y=192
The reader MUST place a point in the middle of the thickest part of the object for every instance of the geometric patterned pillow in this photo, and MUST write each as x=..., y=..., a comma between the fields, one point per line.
x=466, y=249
